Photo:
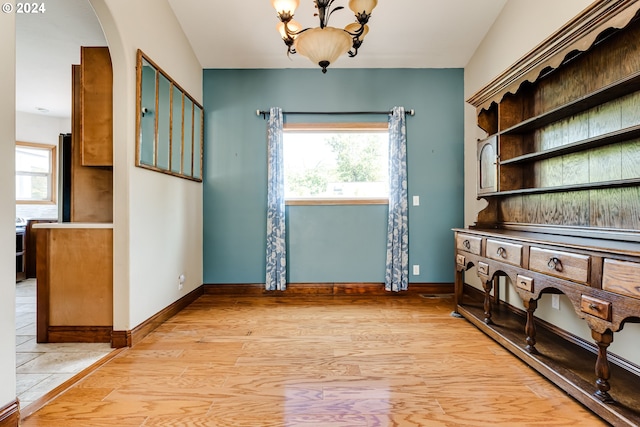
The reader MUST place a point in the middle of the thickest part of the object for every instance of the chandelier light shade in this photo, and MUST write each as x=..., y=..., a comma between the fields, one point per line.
x=323, y=45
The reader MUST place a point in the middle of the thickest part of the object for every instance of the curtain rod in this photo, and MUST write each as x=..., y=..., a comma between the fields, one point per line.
x=331, y=113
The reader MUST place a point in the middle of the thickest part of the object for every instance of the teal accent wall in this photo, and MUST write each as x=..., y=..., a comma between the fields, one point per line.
x=329, y=243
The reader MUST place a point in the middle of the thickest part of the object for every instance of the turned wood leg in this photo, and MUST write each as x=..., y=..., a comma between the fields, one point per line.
x=458, y=292
x=602, y=365
x=530, y=328
x=487, y=285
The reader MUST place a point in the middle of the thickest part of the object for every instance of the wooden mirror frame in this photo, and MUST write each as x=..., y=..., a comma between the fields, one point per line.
x=164, y=142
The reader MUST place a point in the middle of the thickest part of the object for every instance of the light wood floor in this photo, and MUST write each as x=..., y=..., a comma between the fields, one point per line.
x=314, y=361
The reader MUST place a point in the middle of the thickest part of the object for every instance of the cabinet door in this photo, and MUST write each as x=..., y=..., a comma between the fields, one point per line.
x=487, y=166
x=97, y=107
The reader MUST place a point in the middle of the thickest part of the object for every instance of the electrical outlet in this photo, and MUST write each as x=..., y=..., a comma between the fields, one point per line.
x=416, y=270
x=181, y=279
x=555, y=301
x=416, y=200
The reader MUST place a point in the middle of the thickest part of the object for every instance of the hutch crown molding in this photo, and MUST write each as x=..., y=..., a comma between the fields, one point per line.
x=560, y=170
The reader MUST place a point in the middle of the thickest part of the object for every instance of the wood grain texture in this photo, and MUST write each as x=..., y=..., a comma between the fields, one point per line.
x=317, y=360
x=630, y=152
x=630, y=110
x=97, y=106
x=621, y=277
x=10, y=414
x=571, y=266
x=605, y=208
x=511, y=209
x=575, y=208
x=631, y=208
x=80, y=277
x=91, y=187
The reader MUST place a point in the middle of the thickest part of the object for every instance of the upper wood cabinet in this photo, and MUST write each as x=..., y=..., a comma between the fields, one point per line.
x=91, y=138
x=96, y=104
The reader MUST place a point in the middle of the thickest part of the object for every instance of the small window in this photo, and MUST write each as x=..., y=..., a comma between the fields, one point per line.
x=35, y=173
x=336, y=163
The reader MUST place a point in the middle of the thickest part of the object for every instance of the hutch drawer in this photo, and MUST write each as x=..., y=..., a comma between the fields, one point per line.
x=574, y=267
x=524, y=282
x=510, y=253
x=621, y=277
x=596, y=307
x=467, y=243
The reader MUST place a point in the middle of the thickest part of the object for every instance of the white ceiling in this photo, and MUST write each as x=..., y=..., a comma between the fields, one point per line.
x=241, y=34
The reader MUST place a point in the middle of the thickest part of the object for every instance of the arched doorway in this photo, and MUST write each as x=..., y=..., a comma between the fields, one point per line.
x=48, y=43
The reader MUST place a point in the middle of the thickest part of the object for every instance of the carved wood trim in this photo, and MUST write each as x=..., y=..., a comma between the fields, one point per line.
x=578, y=34
x=10, y=414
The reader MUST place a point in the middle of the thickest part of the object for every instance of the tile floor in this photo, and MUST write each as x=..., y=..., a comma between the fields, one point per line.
x=42, y=367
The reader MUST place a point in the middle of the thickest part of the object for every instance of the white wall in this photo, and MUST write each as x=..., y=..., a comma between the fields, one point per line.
x=41, y=129
x=521, y=26
x=157, y=218
x=7, y=210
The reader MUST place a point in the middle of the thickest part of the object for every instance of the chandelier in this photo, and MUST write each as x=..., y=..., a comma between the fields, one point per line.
x=323, y=45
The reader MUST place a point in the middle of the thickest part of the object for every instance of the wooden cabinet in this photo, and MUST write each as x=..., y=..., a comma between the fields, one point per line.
x=75, y=282
x=96, y=100
x=560, y=169
x=91, y=139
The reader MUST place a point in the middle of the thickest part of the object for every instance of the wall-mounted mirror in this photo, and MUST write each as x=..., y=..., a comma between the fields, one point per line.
x=169, y=124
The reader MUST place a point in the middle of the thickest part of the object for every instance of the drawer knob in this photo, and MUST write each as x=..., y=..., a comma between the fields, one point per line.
x=554, y=264
x=501, y=252
x=466, y=244
x=592, y=306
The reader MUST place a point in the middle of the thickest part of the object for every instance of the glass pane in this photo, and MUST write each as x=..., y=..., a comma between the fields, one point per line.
x=147, y=116
x=487, y=167
x=187, y=147
x=164, y=124
x=336, y=164
x=32, y=187
x=32, y=159
x=197, y=142
x=176, y=134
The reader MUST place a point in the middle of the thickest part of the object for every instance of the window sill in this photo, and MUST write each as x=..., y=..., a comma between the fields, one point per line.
x=35, y=202
x=336, y=201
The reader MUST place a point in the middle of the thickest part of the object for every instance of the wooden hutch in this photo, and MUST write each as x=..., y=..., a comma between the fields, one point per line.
x=560, y=171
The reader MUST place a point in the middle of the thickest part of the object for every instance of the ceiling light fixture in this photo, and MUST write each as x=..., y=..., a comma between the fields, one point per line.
x=323, y=45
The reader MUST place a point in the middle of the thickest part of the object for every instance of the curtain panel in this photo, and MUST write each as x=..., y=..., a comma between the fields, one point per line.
x=276, y=277
x=397, y=268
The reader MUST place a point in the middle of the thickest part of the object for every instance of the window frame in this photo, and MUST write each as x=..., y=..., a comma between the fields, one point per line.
x=51, y=175
x=327, y=127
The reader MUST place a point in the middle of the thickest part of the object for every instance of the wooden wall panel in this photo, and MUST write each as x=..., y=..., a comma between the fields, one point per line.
x=605, y=118
x=511, y=210
x=575, y=208
x=630, y=106
x=551, y=208
x=631, y=208
x=605, y=164
x=606, y=208
x=531, y=209
x=575, y=168
x=630, y=152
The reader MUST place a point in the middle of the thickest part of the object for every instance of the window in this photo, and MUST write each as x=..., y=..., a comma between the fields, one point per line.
x=336, y=163
x=35, y=173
